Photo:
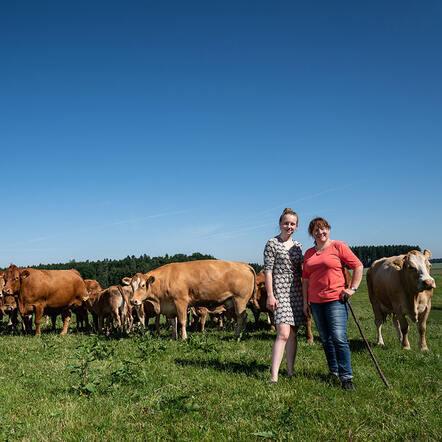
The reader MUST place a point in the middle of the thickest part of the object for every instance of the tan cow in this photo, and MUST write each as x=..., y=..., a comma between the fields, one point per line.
x=44, y=292
x=111, y=303
x=402, y=285
x=208, y=283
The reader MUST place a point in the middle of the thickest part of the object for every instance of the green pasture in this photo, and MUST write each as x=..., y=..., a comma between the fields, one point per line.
x=87, y=388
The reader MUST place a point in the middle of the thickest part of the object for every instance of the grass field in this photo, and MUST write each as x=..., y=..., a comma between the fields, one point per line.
x=84, y=387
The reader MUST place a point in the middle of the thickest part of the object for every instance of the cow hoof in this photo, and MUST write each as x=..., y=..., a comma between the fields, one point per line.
x=407, y=348
x=310, y=341
x=424, y=349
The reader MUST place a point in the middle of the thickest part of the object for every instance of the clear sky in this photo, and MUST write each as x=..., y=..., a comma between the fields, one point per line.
x=132, y=127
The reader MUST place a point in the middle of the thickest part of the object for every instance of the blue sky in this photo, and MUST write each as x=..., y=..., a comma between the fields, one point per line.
x=178, y=127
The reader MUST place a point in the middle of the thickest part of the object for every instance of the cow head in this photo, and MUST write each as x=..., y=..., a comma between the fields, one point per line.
x=8, y=304
x=13, y=278
x=416, y=270
x=141, y=286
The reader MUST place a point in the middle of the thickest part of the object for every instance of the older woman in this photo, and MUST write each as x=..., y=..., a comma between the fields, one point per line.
x=325, y=293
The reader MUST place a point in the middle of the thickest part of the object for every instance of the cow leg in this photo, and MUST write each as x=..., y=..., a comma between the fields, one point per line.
x=66, y=316
x=397, y=327
x=203, y=320
x=53, y=321
x=241, y=316
x=422, y=326
x=405, y=329
x=173, y=321
x=116, y=316
x=100, y=323
x=378, y=323
x=308, y=330
x=241, y=323
x=182, y=319
x=38, y=315
x=157, y=323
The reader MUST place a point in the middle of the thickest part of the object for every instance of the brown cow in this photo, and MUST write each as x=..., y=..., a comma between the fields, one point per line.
x=261, y=298
x=208, y=283
x=45, y=291
x=93, y=287
x=402, y=285
x=8, y=306
x=111, y=303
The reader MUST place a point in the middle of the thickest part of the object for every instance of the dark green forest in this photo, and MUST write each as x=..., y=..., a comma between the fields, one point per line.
x=368, y=254
x=110, y=271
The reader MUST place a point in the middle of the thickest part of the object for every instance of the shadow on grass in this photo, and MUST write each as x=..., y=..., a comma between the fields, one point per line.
x=252, y=368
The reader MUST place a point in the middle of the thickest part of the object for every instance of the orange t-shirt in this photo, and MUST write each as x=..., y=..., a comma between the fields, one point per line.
x=324, y=271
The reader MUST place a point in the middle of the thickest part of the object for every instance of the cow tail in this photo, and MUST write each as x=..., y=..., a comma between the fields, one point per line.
x=253, y=297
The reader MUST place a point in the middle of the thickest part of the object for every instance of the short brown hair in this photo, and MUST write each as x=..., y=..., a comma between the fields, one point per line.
x=288, y=211
x=321, y=223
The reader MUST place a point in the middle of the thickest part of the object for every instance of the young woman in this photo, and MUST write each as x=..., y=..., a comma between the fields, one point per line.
x=282, y=270
x=325, y=293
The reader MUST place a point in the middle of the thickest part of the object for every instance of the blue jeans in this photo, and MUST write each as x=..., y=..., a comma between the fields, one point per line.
x=331, y=321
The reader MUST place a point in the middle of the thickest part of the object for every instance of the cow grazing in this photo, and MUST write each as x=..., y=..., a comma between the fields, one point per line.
x=44, y=291
x=402, y=286
x=174, y=287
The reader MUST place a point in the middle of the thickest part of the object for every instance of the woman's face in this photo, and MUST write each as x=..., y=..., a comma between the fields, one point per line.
x=321, y=234
x=288, y=224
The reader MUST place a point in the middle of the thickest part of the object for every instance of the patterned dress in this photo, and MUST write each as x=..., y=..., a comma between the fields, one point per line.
x=285, y=266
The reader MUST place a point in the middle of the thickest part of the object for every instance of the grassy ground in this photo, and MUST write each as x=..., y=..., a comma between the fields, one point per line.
x=81, y=387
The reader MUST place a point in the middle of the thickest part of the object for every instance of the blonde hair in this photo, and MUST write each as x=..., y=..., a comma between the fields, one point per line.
x=288, y=211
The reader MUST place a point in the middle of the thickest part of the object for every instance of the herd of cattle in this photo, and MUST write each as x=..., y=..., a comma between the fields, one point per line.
x=399, y=285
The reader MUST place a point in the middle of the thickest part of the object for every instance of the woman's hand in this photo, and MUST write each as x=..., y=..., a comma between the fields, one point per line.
x=346, y=294
x=307, y=310
x=272, y=303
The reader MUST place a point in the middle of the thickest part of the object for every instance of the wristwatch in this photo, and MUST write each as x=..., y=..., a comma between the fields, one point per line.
x=353, y=288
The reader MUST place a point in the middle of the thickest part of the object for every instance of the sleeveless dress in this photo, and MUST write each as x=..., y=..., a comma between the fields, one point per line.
x=286, y=268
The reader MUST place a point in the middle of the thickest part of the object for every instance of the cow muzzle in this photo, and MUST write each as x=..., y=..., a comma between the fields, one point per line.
x=429, y=284
x=136, y=302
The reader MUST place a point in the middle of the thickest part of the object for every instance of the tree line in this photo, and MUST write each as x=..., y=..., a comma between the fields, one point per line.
x=369, y=254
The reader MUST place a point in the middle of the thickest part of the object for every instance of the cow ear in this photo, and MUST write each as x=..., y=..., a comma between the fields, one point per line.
x=126, y=280
x=427, y=254
x=398, y=263
x=24, y=274
x=150, y=280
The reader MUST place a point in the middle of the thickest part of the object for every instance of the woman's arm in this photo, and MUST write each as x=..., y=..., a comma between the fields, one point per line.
x=272, y=303
x=355, y=281
x=305, y=304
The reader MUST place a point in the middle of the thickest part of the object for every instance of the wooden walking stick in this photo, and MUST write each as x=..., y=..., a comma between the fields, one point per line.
x=368, y=345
